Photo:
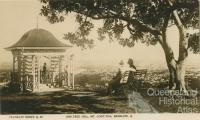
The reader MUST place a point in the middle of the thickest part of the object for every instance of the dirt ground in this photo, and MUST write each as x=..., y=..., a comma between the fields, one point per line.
x=63, y=102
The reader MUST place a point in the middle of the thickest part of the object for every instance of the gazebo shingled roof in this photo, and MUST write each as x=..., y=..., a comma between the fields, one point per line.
x=38, y=38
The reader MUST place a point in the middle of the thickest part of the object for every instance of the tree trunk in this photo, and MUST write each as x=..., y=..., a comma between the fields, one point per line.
x=170, y=60
x=183, y=54
x=181, y=76
x=176, y=69
x=172, y=79
x=171, y=64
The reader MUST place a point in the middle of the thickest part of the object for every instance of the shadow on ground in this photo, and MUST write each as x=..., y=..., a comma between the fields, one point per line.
x=62, y=102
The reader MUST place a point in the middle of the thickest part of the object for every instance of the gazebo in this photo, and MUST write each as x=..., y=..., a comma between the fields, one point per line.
x=28, y=72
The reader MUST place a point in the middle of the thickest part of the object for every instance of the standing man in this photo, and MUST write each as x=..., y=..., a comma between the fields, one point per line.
x=44, y=71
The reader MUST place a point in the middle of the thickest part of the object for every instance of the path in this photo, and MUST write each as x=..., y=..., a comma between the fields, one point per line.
x=141, y=105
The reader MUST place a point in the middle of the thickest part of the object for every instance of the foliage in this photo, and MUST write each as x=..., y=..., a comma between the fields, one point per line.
x=194, y=43
x=143, y=19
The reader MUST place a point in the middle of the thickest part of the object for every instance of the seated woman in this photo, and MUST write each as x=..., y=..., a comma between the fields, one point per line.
x=127, y=72
x=120, y=77
x=114, y=84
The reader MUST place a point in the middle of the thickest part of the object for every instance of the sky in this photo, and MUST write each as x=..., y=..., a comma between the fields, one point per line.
x=19, y=16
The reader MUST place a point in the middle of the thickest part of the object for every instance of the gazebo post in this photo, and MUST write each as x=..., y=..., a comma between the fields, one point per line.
x=19, y=58
x=39, y=76
x=23, y=74
x=72, y=70
x=14, y=63
x=51, y=68
x=69, y=71
x=37, y=82
x=59, y=67
x=33, y=71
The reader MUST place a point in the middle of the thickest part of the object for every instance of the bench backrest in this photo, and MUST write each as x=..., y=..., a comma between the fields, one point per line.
x=124, y=77
x=138, y=74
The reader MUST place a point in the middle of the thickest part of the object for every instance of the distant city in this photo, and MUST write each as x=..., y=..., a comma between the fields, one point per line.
x=93, y=66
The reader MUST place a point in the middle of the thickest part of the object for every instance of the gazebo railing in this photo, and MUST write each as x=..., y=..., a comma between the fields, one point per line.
x=52, y=78
x=28, y=82
x=23, y=82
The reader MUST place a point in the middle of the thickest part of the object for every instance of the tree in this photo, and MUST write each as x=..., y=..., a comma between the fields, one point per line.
x=146, y=20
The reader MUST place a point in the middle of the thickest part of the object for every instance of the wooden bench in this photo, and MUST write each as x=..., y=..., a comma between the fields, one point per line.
x=137, y=75
x=137, y=81
x=125, y=83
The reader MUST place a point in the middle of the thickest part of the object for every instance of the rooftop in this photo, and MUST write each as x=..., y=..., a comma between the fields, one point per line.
x=38, y=38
